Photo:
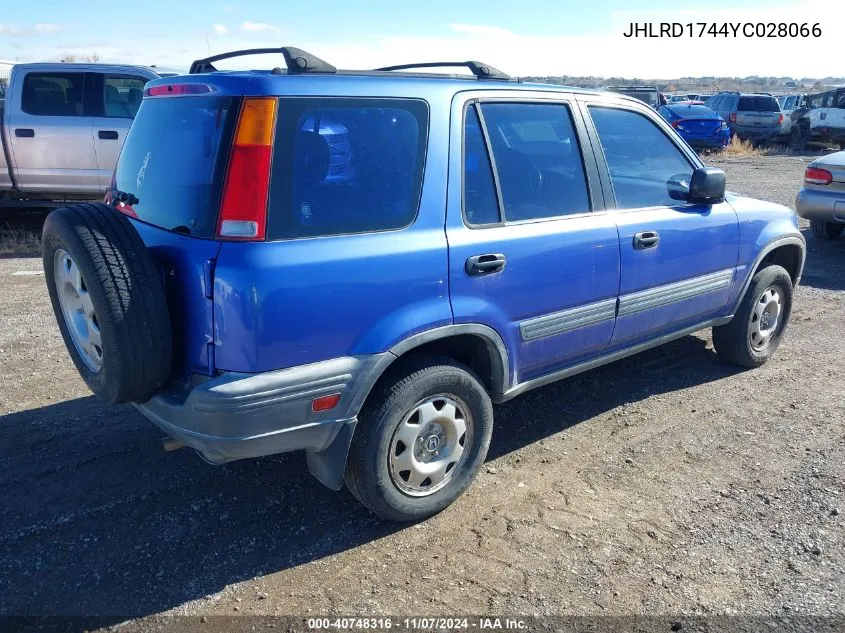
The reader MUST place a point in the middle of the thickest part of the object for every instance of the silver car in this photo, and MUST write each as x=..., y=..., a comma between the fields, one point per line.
x=822, y=199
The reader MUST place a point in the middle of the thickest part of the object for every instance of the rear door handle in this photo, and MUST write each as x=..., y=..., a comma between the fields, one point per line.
x=485, y=264
x=107, y=135
x=24, y=132
x=646, y=239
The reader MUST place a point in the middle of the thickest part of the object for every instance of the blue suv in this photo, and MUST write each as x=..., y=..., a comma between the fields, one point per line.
x=358, y=264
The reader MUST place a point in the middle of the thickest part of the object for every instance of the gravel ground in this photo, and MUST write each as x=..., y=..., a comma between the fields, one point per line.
x=668, y=483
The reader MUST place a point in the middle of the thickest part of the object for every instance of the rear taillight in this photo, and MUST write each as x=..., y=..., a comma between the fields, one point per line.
x=732, y=117
x=243, y=212
x=816, y=176
x=780, y=119
x=675, y=124
x=170, y=90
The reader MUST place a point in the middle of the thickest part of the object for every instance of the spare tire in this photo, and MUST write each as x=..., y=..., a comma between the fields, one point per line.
x=109, y=301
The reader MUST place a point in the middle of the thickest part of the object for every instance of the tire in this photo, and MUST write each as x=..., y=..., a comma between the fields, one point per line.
x=735, y=341
x=376, y=479
x=826, y=230
x=104, y=285
x=798, y=138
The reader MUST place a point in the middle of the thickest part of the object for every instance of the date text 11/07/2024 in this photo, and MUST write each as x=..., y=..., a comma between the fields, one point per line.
x=415, y=624
x=724, y=29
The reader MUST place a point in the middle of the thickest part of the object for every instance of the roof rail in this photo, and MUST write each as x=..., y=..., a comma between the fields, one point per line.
x=479, y=69
x=297, y=60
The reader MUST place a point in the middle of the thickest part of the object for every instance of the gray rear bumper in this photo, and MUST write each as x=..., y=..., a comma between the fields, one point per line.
x=813, y=204
x=234, y=416
x=754, y=132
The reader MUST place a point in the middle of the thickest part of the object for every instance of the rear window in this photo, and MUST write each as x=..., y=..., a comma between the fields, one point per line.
x=171, y=161
x=695, y=110
x=758, y=104
x=345, y=166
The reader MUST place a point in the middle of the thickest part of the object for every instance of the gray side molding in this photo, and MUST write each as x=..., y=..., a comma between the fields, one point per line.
x=678, y=291
x=502, y=380
x=567, y=320
x=795, y=239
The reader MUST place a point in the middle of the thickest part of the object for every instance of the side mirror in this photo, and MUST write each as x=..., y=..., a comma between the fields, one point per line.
x=706, y=186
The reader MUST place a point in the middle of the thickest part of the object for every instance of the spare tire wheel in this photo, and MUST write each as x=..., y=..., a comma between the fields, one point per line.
x=109, y=301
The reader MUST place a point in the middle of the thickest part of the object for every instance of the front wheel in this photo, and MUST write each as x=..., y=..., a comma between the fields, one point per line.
x=421, y=438
x=755, y=331
x=826, y=230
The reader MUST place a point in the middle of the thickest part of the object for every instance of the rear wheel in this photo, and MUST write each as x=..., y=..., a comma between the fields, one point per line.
x=755, y=331
x=826, y=230
x=421, y=438
x=108, y=300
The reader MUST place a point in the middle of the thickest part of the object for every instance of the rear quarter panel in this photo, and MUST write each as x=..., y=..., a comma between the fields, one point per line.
x=293, y=302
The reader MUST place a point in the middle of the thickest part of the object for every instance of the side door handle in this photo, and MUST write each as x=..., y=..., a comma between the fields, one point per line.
x=24, y=132
x=107, y=135
x=646, y=239
x=484, y=264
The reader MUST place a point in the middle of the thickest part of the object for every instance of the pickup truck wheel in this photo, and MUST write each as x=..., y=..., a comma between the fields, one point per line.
x=826, y=230
x=421, y=438
x=757, y=328
x=108, y=300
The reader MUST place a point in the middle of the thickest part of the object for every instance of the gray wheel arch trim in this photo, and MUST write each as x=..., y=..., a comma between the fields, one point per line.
x=328, y=465
x=499, y=360
x=795, y=239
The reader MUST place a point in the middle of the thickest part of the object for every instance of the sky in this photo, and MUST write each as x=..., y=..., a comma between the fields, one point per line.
x=520, y=37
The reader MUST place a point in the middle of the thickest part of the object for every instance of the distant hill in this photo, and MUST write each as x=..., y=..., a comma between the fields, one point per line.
x=702, y=84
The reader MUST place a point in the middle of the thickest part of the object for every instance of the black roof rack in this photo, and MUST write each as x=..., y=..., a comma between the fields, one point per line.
x=479, y=69
x=297, y=60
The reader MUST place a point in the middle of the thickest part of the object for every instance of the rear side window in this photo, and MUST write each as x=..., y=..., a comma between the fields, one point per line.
x=758, y=104
x=538, y=160
x=345, y=166
x=122, y=95
x=640, y=157
x=173, y=159
x=480, y=203
x=53, y=94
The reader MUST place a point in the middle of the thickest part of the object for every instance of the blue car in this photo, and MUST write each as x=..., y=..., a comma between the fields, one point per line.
x=358, y=264
x=700, y=126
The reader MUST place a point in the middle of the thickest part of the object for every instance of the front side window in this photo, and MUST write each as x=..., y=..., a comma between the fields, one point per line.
x=538, y=160
x=53, y=94
x=640, y=157
x=345, y=166
x=122, y=95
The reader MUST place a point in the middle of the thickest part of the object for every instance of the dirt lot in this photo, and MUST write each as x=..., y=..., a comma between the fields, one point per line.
x=668, y=483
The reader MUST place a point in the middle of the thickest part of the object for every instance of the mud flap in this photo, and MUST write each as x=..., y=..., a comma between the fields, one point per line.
x=328, y=465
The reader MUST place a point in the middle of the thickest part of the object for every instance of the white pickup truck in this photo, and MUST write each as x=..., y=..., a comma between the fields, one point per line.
x=62, y=127
x=819, y=119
